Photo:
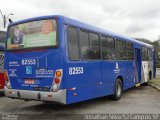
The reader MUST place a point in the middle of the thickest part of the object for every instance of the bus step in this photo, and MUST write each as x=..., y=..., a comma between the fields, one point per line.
x=138, y=84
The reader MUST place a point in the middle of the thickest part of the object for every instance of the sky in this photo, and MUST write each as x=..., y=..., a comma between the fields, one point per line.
x=132, y=18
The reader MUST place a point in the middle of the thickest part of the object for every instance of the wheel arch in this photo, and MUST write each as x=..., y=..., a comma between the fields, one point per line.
x=121, y=78
x=150, y=74
x=116, y=93
x=150, y=71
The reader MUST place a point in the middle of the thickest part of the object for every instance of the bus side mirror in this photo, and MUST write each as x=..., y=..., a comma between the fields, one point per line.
x=10, y=20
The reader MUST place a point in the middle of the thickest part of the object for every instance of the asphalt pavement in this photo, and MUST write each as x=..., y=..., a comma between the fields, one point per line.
x=137, y=100
x=141, y=100
x=155, y=83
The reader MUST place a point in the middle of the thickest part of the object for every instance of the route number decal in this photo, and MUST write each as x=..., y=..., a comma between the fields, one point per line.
x=28, y=62
x=75, y=70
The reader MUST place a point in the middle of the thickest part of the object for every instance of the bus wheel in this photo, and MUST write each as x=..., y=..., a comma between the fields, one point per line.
x=117, y=90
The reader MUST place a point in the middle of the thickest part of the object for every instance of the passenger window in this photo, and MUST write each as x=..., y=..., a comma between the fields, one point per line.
x=73, y=48
x=84, y=44
x=150, y=54
x=108, y=48
x=104, y=42
x=129, y=51
x=111, y=42
x=121, y=50
x=144, y=54
x=94, y=48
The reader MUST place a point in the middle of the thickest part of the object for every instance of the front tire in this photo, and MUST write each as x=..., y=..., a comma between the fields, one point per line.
x=117, y=90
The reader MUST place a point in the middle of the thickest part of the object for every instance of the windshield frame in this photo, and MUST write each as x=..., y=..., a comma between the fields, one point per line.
x=32, y=20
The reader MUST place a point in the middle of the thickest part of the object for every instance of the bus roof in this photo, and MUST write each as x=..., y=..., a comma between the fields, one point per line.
x=99, y=30
x=82, y=25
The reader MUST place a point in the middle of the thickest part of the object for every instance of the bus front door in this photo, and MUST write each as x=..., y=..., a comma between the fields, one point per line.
x=137, y=65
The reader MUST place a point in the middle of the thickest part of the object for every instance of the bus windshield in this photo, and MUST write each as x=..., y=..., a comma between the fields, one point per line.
x=33, y=34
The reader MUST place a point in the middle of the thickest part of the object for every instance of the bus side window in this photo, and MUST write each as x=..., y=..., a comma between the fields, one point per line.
x=121, y=50
x=129, y=51
x=104, y=47
x=144, y=53
x=111, y=48
x=150, y=54
x=94, y=48
x=84, y=44
x=108, y=48
x=73, y=48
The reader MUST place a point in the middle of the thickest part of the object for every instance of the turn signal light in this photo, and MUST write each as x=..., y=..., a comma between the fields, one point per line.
x=58, y=73
x=57, y=80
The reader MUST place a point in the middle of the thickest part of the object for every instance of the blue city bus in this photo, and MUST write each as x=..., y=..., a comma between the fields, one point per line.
x=58, y=59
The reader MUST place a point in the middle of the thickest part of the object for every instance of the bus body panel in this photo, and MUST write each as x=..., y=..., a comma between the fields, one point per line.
x=145, y=71
x=138, y=65
x=147, y=67
x=154, y=64
x=82, y=76
x=150, y=69
x=38, y=66
x=91, y=85
x=114, y=69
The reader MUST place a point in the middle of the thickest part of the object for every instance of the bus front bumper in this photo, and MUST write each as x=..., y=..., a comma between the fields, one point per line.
x=59, y=96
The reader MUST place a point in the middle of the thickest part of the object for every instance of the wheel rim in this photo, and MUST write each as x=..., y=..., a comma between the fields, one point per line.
x=118, y=89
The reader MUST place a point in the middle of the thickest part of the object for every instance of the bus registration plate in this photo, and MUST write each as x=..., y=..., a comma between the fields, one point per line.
x=29, y=81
